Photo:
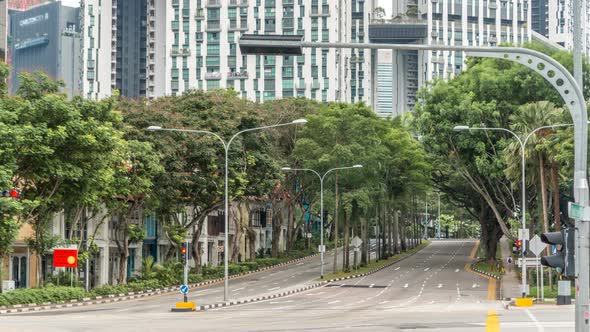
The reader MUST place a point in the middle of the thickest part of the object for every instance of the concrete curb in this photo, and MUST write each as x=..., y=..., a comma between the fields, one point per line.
x=484, y=273
x=32, y=307
x=301, y=289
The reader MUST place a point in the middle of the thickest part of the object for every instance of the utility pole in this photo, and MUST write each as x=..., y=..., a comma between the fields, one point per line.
x=582, y=250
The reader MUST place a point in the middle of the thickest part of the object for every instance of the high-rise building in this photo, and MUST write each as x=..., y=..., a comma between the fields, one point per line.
x=131, y=47
x=194, y=45
x=46, y=38
x=98, y=44
x=438, y=22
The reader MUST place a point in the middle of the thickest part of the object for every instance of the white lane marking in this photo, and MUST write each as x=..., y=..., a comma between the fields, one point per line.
x=337, y=301
x=277, y=302
x=397, y=268
x=342, y=285
x=406, y=286
x=275, y=288
x=313, y=294
x=474, y=286
x=439, y=286
x=383, y=302
x=426, y=269
x=371, y=285
x=299, y=264
x=534, y=319
x=237, y=289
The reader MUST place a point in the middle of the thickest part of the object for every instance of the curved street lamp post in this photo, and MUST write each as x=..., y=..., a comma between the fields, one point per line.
x=522, y=180
x=226, y=147
x=321, y=177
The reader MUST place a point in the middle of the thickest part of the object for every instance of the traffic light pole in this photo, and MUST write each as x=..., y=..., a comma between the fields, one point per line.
x=185, y=279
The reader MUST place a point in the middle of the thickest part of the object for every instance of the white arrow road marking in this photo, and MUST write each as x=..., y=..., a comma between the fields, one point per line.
x=275, y=288
x=426, y=269
x=475, y=286
x=439, y=286
x=371, y=285
x=334, y=302
x=342, y=285
x=406, y=286
x=397, y=268
x=277, y=302
x=457, y=270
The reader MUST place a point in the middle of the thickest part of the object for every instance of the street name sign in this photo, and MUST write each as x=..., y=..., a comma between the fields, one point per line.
x=578, y=212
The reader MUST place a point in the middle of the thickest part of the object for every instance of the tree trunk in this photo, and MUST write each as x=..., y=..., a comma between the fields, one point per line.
x=336, y=208
x=237, y=216
x=365, y=245
x=403, y=233
x=123, y=256
x=543, y=193
x=277, y=221
x=346, y=251
x=196, y=248
x=555, y=185
x=290, y=227
x=395, y=231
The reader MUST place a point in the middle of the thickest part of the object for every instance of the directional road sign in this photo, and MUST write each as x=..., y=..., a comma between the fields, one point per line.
x=356, y=242
x=536, y=245
x=184, y=289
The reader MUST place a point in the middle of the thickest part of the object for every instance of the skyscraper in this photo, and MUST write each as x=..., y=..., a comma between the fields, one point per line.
x=194, y=45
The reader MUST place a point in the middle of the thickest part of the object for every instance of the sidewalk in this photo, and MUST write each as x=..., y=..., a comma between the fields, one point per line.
x=511, y=287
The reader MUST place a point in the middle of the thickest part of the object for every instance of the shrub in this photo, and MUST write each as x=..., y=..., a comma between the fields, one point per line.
x=41, y=295
x=212, y=272
x=110, y=289
x=195, y=278
x=250, y=266
x=264, y=262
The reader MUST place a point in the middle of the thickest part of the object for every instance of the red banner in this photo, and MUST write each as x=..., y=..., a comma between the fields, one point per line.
x=65, y=258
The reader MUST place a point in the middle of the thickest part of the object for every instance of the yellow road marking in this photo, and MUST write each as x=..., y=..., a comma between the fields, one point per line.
x=492, y=281
x=492, y=322
x=474, y=250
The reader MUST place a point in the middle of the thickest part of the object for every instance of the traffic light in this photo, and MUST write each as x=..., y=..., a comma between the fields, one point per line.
x=183, y=253
x=10, y=193
x=517, y=247
x=563, y=261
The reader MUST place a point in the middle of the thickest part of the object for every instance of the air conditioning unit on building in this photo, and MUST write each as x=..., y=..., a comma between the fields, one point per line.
x=7, y=286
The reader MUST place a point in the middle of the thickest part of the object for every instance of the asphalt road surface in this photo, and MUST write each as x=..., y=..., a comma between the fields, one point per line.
x=429, y=291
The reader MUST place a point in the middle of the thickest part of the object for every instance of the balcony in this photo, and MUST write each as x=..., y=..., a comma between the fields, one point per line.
x=238, y=3
x=215, y=75
x=237, y=75
x=180, y=52
x=493, y=5
x=200, y=15
x=213, y=4
x=213, y=26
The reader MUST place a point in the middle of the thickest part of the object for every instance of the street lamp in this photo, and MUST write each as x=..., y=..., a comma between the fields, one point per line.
x=321, y=177
x=226, y=147
x=523, y=186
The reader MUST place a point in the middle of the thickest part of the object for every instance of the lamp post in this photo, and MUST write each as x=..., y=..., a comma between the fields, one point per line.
x=523, y=186
x=321, y=177
x=226, y=147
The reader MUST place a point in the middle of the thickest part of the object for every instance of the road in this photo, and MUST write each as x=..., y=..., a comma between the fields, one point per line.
x=428, y=291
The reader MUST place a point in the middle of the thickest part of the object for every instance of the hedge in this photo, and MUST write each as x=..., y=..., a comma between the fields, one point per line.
x=38, y=295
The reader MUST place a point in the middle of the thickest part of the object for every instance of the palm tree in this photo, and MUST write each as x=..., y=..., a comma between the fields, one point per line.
x=530, y=117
